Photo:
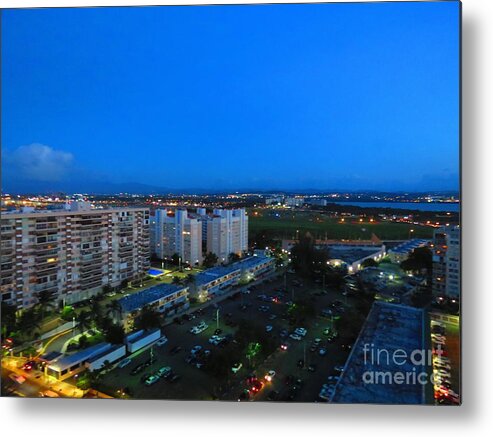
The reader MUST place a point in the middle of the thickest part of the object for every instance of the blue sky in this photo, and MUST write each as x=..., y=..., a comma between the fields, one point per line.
x=330, y=96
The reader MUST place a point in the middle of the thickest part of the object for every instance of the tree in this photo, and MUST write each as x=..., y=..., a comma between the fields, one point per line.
x=369, y=262
x=84, y=320
x=233, y=257
x=97, y=313
x=190, y=279
x=419, y=259
x=46, y=300
x=107, y=289
x=306, y=258
x=114, y=309
x=210, y=260
x=8, y=318
x=115, y=334
x=148, y=318
x=28, y=323
x=175, y=259
x=176, y=280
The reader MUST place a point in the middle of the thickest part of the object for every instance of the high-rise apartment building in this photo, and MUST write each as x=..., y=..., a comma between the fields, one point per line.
x=227, y=232
x=178, y=233
x=73, y=253
x=446, y=262
x=223, y=232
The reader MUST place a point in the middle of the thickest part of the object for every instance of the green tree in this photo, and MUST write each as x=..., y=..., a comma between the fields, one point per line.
x=148, y=318
x=28, y=324
x=84, y=321
x=419, y=259
x=306, y=258
x=46, y=301
x=233, y=257
x=210, y=260
x=369, y=262
x=176, y=280
x=114, y=310
x=8, y=318
x=115, y=334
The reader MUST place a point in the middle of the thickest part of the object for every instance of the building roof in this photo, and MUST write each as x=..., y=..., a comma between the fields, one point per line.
x=215, y=273
x=139, y=335
x=408, y=246
x=350, y=254
x=106, y=352
x=138, y=300
x=388, y=327
x=252, y=261
x=67, y=361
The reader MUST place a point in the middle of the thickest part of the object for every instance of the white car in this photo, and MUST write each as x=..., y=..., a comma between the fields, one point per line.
x=162, y=341
x=236, y=367
x=295, y=337
x=196, y=349
x=300, y=331
x=270, y=375
x=124, y=362
x=245, y=291
x=151, y=380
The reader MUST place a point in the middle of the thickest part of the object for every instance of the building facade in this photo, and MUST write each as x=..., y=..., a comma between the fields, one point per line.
x=73, y=253
x=446, y=262
x=227, y=232
x=177, y=232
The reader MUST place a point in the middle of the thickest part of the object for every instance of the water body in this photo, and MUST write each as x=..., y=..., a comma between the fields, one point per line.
x=425, y=206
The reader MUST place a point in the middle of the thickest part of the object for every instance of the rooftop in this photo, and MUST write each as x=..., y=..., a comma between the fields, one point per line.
x=252, y=261
x=409, y=246
x=214, y=273
x=67, y=361
x=388, y=327
x=351, y=254
x=145, y=297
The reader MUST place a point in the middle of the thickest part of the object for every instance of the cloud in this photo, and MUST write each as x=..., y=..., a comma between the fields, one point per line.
x=38, y=162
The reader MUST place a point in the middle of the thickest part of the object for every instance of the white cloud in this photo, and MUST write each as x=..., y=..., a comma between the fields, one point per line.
x=39, y=162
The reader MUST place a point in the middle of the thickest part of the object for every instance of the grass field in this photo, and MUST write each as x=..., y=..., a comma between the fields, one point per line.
x=289, y=224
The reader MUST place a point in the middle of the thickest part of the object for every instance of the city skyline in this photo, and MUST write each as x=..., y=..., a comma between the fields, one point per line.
x=206, y=101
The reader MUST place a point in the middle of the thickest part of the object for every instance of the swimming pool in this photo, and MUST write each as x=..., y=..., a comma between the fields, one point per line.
x=155, y=272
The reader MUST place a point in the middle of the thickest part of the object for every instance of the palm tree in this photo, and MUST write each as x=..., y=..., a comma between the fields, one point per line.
x=46, y=299
x=149, y=318
x=97, y=313
x=176, y=280
x=114, y=309
x=84, y=320
x=29, y=323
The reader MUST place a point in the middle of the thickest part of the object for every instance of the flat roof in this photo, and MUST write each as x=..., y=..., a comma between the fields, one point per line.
x=351, y=254
x=138, y=300
x=409, y=246
x=139, y=335
x=215, y=273
x=253, y=261
x=106, y=352
x=67, y=361
x=388, y=327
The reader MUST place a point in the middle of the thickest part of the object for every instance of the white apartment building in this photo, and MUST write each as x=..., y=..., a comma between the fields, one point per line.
x=227, y=232
x=446, y=262
x=177, y=232
x=72, y=252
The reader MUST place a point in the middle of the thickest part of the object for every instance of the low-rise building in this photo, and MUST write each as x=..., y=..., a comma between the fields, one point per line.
x=167, y=299
x=139, y=339
x=215, y=281
x=353, y=256
x=402, y=251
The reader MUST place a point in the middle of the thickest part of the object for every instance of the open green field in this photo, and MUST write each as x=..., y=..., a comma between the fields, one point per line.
x=289, y=224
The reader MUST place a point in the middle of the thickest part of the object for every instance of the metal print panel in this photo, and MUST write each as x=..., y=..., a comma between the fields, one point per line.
x=254, y=203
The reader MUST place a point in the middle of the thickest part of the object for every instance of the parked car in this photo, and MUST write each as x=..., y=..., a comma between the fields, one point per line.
x=124, y=362
x=162, y=341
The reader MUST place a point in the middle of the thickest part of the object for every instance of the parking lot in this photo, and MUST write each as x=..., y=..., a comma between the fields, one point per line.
x=293, y=380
